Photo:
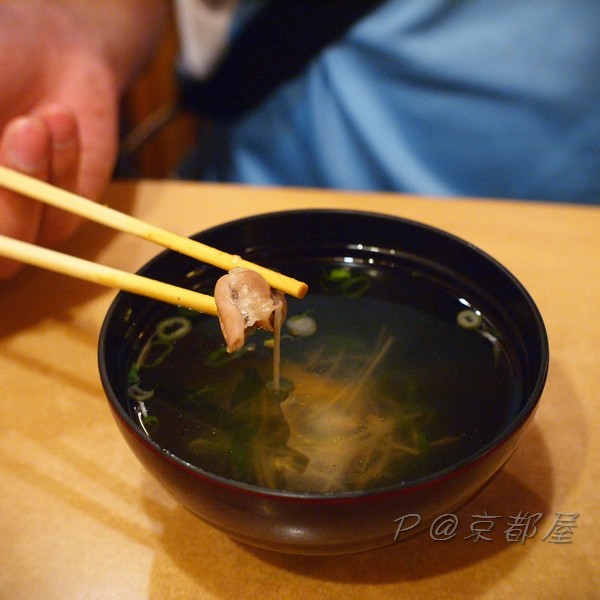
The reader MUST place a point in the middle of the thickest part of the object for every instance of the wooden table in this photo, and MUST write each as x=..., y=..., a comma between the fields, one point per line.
x=80, y=518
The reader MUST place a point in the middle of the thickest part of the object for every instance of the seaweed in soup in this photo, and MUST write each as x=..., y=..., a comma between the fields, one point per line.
x=374, y=392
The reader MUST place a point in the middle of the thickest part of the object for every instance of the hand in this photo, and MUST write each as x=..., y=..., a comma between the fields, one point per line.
x=47, y=147
x=62, y=67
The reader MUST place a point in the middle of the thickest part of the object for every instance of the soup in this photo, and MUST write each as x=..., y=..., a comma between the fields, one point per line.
x=385, y=378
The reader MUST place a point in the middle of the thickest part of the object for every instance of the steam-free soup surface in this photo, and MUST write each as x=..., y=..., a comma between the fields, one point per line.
x=375, y=391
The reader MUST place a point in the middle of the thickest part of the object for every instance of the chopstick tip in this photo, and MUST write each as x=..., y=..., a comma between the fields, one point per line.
x=302, y=290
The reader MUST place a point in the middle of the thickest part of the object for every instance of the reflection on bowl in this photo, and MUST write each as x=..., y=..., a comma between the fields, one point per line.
x=412, y=368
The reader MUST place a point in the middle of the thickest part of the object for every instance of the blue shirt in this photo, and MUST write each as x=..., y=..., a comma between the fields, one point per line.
x=494, y=98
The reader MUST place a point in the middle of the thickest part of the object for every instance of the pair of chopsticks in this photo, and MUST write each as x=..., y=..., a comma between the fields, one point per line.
x=108, y=276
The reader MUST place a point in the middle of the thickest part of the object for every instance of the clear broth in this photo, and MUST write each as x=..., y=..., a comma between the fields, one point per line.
x=402, y=378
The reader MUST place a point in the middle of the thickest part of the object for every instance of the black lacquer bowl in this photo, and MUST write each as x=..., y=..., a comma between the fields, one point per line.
x=348, y=521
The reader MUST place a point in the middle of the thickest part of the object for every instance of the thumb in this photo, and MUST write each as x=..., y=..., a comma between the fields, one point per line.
x=24, y=146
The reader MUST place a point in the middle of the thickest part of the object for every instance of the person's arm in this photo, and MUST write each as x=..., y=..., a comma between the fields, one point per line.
x=63, y=67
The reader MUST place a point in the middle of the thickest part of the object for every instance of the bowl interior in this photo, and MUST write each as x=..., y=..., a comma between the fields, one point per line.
x=391, y=261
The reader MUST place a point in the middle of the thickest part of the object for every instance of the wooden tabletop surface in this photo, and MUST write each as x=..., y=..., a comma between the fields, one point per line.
x=81, y=519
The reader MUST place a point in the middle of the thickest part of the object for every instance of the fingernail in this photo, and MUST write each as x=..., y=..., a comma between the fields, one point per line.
x=26, y=141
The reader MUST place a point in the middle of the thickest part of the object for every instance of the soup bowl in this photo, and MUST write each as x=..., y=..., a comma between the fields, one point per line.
x=451, y=290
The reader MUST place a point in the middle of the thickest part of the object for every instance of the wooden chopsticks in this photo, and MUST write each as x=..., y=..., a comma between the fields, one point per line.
x=103, y=275
x=82, y=269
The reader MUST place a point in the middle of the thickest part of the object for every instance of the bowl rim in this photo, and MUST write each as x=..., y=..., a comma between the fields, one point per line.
x=411, y=486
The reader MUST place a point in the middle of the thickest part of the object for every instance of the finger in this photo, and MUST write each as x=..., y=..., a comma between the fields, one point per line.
x=65, y=146
x=57, y=225
x=24, y=146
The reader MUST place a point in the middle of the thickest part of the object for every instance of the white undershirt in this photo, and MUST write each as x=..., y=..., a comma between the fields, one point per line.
x=204, y=32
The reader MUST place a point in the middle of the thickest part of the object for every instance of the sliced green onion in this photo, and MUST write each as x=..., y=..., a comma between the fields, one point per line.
x=135, y=392
x=338, y=274
x=356, y=286
x=469, y=319
x=165, y=348
x=301, y=325
x=220, y=356
x=173, y=328
x=151, y=424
